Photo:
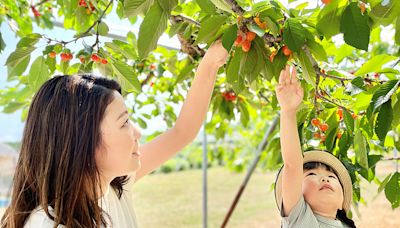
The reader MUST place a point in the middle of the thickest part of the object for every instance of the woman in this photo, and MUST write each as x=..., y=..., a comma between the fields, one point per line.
x=80, y=152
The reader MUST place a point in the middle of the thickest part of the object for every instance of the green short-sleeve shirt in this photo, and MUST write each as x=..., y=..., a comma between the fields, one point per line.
x=302, y=216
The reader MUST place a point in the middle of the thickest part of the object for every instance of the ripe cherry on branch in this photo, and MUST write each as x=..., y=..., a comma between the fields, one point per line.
x=315, y=122
x=104, y=61
x=246, y=45
x=52, y=54
x=339, y=112
x=229, y=96
x=250, y=36
x=323, y=127
x=65, y=57
x=95, y=58
x=35, y=11
x=286, y=51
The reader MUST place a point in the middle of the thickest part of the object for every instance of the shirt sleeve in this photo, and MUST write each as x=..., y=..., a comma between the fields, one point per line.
x=39, y=218
x=300, y=216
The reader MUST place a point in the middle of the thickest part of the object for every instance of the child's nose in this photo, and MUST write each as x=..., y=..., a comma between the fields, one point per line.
x=325, y=179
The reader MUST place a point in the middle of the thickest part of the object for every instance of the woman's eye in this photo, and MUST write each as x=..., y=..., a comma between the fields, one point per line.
x=126, y=123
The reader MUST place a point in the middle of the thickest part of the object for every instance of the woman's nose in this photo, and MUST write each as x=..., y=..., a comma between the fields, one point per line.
x=137, y=132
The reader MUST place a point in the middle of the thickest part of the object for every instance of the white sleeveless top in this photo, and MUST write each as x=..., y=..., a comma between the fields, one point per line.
x=120, y=211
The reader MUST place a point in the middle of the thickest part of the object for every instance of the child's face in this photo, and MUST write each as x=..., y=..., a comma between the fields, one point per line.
x=322, y=190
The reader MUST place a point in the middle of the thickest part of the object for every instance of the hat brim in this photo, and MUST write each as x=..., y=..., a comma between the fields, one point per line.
x=330, y=160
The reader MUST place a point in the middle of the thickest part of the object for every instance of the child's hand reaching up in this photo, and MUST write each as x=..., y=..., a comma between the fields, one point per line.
x=289, y=91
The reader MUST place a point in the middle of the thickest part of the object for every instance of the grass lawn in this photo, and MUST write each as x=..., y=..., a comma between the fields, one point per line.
x=175, y=200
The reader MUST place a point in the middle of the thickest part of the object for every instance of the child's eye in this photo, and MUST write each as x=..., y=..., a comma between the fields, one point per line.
x=332, y=176
x=311, y=173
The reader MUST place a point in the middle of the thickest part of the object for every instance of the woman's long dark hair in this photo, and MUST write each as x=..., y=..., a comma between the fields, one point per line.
x=340, y=214
x=56, y=165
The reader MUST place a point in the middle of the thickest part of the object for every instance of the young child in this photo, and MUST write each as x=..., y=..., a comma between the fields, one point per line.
x=312, y=189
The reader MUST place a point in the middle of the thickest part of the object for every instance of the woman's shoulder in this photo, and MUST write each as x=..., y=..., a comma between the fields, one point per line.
x=39, y=218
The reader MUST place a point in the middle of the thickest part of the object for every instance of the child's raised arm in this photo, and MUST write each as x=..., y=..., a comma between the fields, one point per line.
x=290, y=95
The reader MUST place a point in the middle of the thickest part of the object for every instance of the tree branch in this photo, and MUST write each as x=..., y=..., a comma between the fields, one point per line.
x=85, y=33
x=181, y=18
x=187, y=45
x=235, y=7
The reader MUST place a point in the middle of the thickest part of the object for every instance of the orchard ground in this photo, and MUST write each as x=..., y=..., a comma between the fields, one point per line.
x=175, y=200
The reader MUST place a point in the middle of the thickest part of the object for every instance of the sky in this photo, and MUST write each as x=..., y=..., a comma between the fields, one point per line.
x=11, y=126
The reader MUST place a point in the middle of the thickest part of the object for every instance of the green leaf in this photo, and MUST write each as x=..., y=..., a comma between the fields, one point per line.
x=12, y=107
x=360, y=148
x=168, y=5
x=141, y=123
x=349, y=121
x=39, y=73
x=19, y=56
x=272, y=26
x=102, y=29
x=308, y=70
x=19, y=69
x=2, y=44
x=317, y=50
x=206, y=6
x=374, y=64
x=126, y=76
x=232, y=71
x=294, y=34
x=229, y=37
x=257, y=30
x=29, y=40
x=328, y=20
x=392, y=190
x=209, y=27
x=344, y=143
x=252, y=62
x=384, y=120
x=185, y=72
x=397, y=33
x=354, y=25
x=244, y=113
x=383, y=184
x=122, y=48
x=152, y=27
x=136, y=7
x=384, y=14
x=396, y=112
x=221, y=4
x=382, y=95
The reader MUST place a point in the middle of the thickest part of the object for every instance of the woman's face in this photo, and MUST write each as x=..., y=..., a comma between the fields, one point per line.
x=118, y=155
x=322, y=189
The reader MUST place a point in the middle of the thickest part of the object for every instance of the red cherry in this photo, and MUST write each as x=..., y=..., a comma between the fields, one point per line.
x=95, y=58
x=315, y=122
x=323, y=127
x=52, y=54
x=104, y=61
x=286, y=51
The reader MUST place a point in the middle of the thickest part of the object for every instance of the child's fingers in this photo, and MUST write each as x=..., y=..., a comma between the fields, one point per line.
x=282, y=77
x=294, y=79
x=287, y=75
